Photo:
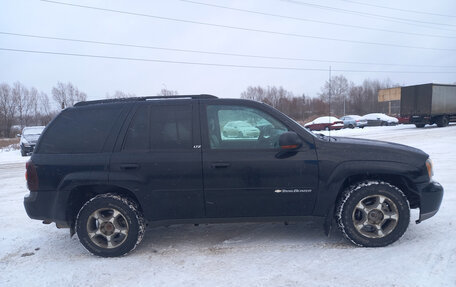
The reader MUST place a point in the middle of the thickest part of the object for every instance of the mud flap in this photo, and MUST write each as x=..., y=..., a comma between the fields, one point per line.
x=328, y=224
x=72, y=230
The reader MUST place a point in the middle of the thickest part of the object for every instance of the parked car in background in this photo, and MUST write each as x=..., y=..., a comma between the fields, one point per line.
x=29, y=138
x=378, y=119
x=353, y=121
x=240, y=129
x=325, y=123
x=403, y=120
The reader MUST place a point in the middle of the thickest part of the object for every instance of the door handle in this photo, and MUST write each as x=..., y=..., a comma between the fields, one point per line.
x=129, y=166
x=220, y=165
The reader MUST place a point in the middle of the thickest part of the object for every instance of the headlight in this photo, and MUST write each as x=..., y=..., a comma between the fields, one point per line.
x=24, y=141
x=429, y=168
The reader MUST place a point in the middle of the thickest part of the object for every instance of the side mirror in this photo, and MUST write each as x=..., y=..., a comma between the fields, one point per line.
x=289, y=141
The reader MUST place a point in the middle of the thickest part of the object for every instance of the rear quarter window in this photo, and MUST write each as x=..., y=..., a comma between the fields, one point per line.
x=79, y=130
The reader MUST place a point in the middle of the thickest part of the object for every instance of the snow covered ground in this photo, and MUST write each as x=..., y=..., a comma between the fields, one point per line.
x=267, y=254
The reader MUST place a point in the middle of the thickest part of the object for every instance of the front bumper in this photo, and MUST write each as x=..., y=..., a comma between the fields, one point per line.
x=430, y=200
x=28, y=148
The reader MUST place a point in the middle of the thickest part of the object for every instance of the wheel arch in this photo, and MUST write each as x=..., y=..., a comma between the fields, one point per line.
x=346, y=174
x=80, y=194
x=400, y=181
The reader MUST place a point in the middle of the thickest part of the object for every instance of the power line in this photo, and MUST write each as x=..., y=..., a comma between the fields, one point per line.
x=341, y=10
x=218, y=64
x=314, y=21
x=399, y=9
x=216, y=53
x=249, y=29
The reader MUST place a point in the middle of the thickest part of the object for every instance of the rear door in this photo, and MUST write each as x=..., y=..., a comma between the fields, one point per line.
x=156, y=159
x=244, y=174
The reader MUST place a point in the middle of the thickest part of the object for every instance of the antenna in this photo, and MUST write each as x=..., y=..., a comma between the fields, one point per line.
x=329, y=104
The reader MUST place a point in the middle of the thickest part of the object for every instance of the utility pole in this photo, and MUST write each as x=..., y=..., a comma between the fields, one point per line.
x=329, y=94
x=344, y=104
x=329, y=104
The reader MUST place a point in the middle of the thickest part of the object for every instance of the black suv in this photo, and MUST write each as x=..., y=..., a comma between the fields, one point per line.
x=108, y=168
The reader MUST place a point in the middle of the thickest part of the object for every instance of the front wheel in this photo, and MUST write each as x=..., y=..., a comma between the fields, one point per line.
x=109, y=225
x=373, y=214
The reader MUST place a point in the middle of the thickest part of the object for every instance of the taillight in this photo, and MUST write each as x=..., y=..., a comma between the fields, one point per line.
x=31, y=176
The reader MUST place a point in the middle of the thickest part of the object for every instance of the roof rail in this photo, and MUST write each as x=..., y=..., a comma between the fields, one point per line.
x=138, y=99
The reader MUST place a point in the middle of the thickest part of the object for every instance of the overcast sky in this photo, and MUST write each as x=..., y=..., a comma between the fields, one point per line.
x=434, y=48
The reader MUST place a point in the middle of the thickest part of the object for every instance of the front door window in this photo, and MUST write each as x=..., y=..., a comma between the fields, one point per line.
x=236, y=127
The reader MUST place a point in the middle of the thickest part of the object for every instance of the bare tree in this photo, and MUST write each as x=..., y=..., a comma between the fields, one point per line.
x=60, y=95
x=7, y=109
x=66, y=95
x=21, y=96
x=166, y=93
x=120, y=95
x=340, y=88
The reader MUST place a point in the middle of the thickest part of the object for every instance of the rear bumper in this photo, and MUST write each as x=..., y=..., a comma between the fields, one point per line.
x=41, y=205
x=361, y=124
x=430, y=200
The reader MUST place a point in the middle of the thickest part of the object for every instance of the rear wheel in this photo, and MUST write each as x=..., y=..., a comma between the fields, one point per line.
x=442, y=121
x=420, y=125
x=351, y=126
x=109, y=225
x=373, y=214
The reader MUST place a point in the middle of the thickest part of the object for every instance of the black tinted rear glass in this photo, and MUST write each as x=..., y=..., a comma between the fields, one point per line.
x=82, y=130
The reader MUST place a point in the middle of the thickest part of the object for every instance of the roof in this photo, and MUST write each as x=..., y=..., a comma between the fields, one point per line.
x=138, y=99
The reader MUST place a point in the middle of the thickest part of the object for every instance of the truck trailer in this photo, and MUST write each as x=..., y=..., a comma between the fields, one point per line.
x=429, y=104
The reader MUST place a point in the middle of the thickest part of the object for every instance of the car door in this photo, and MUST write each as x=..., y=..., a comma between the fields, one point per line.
x=245, y=176
x=156, y=159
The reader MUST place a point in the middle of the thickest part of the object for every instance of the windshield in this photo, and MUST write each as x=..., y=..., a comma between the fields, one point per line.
x=33, y=131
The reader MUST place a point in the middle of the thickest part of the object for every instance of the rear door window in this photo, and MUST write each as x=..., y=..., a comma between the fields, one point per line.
x=171, y=127
x=160, y=127
x=137, y=137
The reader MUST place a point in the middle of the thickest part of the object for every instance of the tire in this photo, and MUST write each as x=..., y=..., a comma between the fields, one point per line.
x=366, y=225
x=23, y=153
x=351, y=126
x=420, y=125
x=107, y=234
x=442, y=121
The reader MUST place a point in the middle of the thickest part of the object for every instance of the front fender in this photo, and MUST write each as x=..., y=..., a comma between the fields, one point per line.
x=332, y=179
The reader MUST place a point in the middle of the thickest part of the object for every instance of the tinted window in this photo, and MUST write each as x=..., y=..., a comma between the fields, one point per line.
x=159, y=127
x=238, y=127
x=171, y=127
x=81, y=130
x=137, y=137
